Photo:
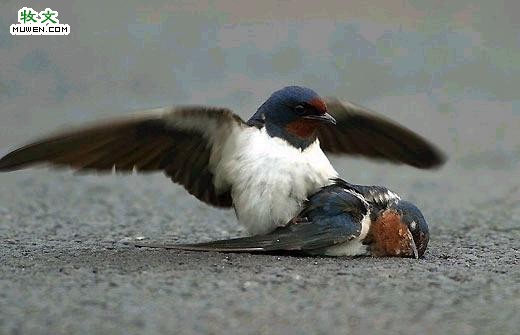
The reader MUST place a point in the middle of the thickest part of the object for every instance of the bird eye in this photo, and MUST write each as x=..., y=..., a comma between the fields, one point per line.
x=299, y=109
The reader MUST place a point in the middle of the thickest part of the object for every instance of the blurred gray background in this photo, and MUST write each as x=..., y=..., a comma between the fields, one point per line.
x=448, y=69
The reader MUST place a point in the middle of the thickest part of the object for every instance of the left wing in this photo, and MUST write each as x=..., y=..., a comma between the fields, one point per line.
x=303, y=236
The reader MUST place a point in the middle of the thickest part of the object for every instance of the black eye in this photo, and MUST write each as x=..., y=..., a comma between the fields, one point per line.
x=299, y=109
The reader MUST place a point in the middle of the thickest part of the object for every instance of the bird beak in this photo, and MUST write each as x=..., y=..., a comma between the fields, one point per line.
x=412, y=252
x=326, y=118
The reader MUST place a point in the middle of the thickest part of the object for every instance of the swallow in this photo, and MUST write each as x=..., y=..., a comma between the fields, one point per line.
x=340, y=219
x=264, y=168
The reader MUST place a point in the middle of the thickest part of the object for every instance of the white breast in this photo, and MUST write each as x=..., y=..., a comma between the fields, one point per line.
x=270, y=179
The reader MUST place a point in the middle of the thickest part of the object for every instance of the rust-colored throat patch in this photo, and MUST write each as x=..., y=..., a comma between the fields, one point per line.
x=391, y=237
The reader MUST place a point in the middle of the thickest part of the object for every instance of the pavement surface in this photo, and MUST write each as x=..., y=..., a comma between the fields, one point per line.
x=447, y=69
x=65, y=267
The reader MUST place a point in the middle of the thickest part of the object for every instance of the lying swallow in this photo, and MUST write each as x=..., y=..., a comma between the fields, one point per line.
x=341, y=219
x=264, y=168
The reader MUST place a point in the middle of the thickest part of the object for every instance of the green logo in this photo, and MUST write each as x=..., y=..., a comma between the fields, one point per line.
x=48, y=16
x=27, y=15
x=31, y=22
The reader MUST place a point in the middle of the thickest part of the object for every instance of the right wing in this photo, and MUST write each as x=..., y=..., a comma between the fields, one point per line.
x=184, y=142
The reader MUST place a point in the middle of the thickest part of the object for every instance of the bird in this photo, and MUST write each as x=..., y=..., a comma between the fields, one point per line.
x=341, y=219
x=263, y=168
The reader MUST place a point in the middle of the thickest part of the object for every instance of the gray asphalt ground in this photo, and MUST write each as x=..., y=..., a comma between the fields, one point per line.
x=66, y=268
x=447, y=69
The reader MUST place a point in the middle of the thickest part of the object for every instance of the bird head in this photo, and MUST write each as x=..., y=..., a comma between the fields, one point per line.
x=412, y=217
x=400, y=230
x=294, y=113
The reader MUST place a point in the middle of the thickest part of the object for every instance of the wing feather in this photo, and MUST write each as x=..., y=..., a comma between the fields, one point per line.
x=359, y=131
x=178, y=141
x=302, y=237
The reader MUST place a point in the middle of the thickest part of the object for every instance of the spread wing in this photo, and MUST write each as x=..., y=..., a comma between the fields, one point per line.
x=360, y=131
x=184, y=142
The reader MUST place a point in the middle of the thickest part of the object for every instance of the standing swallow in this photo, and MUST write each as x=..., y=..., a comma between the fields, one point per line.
x=341, y=219
x=264, y=168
